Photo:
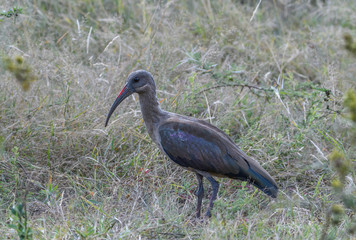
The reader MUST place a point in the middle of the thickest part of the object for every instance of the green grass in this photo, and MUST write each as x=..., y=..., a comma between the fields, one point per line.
x=275, y=84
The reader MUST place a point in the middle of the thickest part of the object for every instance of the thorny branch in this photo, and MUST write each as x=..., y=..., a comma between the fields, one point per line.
x=235, y=85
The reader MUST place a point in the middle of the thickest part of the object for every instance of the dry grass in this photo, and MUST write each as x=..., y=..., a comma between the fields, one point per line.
x=112, y=182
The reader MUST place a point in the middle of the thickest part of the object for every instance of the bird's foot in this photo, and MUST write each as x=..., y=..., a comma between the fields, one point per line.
x=208, y=214
x=198, y=220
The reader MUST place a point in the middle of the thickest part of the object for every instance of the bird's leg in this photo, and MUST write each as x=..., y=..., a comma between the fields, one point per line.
x=199, y=193
x=215, y=186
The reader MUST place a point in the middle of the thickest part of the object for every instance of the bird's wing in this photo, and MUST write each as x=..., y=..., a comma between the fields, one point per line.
x=198, y=146
x=193, y=145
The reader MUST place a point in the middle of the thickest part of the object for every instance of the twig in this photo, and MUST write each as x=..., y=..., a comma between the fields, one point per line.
x=324, y=232
x=78, y=25
x=254, y=12
x=332, y=110
x=236, y=85
x=88, y=39
x=59, y=39
x=180, y=235
x=107, y=46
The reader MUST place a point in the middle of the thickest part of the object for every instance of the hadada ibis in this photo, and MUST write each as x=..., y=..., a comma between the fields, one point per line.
x=193, y=144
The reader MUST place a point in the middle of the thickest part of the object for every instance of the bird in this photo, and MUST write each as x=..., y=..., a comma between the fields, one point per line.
x=193, y=144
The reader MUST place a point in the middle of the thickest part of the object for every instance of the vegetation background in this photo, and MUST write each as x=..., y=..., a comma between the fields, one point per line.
x=271, y=75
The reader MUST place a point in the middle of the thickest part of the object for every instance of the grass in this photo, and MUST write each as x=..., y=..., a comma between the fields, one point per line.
x=274, y=83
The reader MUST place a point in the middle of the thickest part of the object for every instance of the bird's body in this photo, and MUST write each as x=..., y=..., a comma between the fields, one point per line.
x=194, y=144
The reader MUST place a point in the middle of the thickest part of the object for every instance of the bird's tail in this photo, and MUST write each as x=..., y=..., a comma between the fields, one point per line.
x=263, y=181
x=253, y=173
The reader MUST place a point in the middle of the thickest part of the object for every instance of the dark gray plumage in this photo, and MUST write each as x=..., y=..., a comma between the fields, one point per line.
x=194, y=144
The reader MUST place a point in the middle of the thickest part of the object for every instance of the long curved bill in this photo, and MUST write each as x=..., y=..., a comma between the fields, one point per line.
x=125, y=92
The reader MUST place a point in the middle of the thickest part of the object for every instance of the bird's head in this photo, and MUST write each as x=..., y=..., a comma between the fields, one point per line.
x=139, y=82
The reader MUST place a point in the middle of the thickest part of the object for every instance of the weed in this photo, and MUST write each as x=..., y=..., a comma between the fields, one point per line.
x=15, y=12
x=350, y=103
x=350, y=44
x=273, y=81
x=343, y=167
x=20, y=222
x=20, y=70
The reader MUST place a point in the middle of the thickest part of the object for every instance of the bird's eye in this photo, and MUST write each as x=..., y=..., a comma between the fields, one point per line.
x=136, y=79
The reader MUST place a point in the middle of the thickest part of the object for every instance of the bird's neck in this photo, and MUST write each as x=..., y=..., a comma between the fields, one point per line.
x=151, y=111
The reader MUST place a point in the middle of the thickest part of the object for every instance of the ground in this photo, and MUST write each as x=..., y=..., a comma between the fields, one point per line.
x=273, y=76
